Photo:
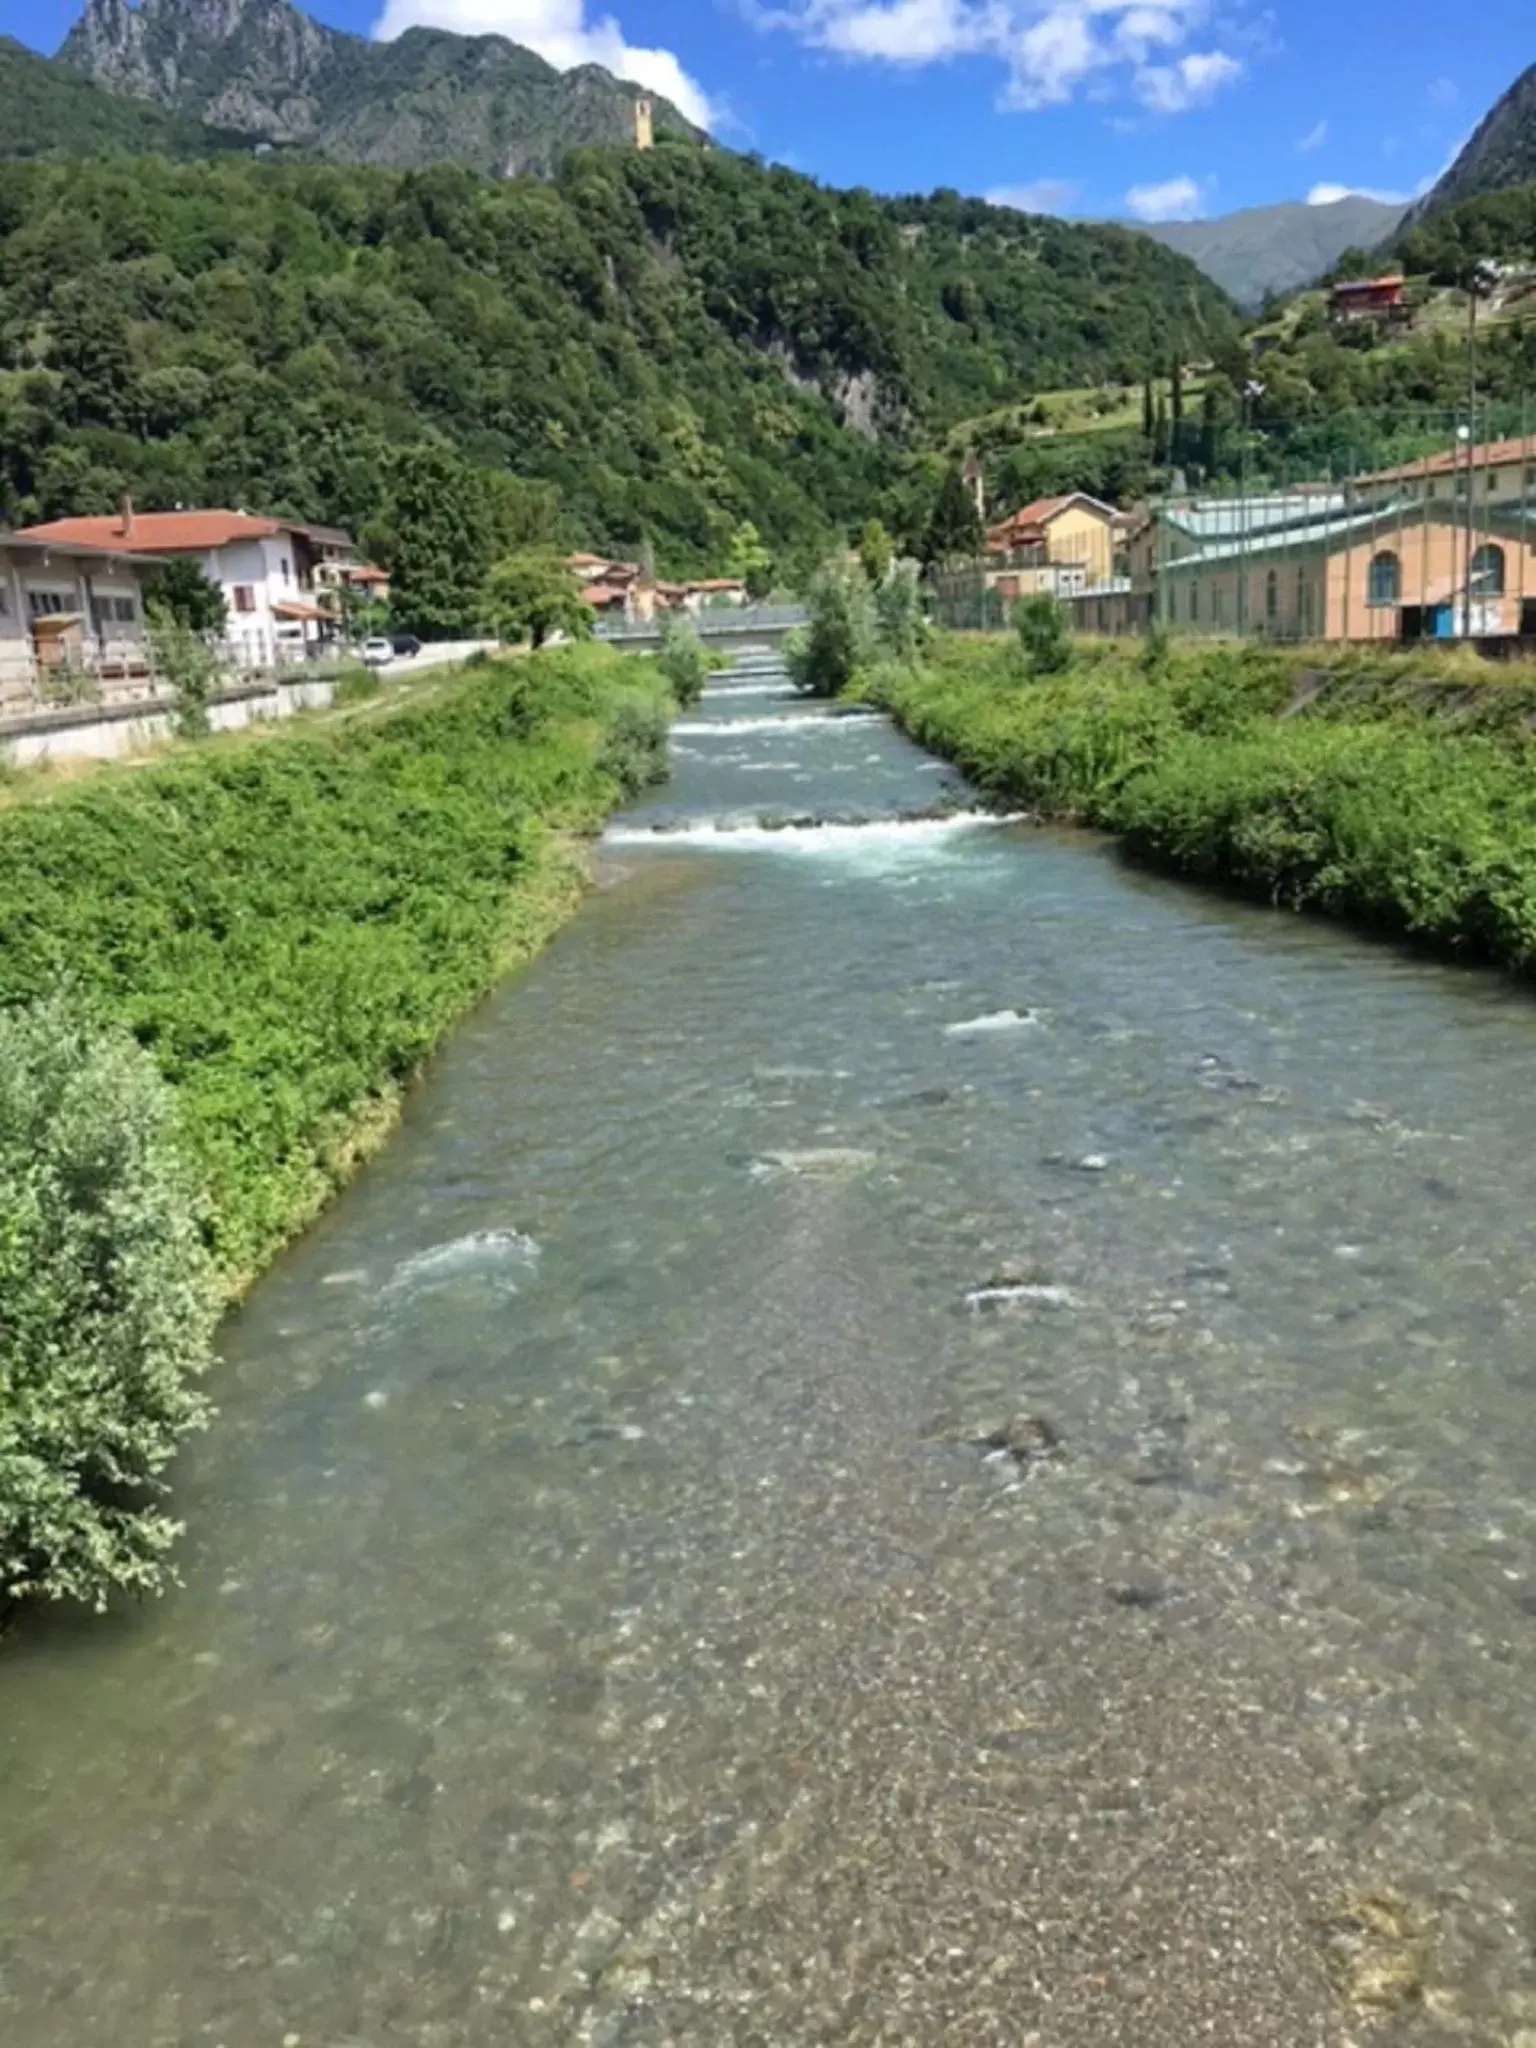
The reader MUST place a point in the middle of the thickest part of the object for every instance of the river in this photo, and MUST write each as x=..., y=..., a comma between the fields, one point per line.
x=921, y=1439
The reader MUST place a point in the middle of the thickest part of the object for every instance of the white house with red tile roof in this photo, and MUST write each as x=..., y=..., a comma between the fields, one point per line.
x=272, y=571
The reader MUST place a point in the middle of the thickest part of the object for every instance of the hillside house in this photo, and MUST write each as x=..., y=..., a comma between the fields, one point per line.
x=1382, y=301
x=71, y=624
x=268, y=569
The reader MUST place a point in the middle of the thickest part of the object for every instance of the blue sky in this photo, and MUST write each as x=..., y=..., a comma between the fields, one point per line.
x=1144, y=108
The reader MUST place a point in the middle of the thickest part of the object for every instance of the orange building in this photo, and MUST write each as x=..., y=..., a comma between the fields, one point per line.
x=1401, y=572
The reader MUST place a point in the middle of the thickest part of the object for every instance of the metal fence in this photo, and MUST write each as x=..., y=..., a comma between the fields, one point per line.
x=726, y=620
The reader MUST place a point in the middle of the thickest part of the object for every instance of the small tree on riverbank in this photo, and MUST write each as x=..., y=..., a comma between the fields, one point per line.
x=532, y=596
x=682, y=659
x=107, y=1309
x=839, y=640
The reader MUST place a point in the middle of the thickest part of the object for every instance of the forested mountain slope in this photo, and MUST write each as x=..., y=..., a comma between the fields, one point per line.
x=677, y=341
x=48, y=110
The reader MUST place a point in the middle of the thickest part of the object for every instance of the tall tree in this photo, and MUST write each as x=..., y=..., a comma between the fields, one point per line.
x=434, y=541
x=954, y=531
x=876, y=551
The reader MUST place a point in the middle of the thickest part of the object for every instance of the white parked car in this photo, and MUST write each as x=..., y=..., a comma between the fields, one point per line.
x=377, y=650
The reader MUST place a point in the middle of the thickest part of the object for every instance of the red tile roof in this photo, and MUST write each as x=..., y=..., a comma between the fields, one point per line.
x=367, y=572
x=157, y=533
x=1486, y=455
x=1044, y=510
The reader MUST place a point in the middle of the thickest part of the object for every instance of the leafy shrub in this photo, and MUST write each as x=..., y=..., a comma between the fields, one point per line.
x=1045, y=636
x=682, y=659
x=189, y=666
x=899, y=624
x=635, y=750
x=108, y=1300
x=824, y=657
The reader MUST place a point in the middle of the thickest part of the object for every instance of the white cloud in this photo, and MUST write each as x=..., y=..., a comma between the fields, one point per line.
x=1330, y=195
x=561, y=33
x=905, y=31
x=1174, y=88
x=1049, y=48
x=1174, y=199
x=1044, y=195
x=1313, y=139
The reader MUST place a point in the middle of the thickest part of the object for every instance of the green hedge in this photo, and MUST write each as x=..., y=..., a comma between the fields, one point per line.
x=1388, y=804
x=290, y=923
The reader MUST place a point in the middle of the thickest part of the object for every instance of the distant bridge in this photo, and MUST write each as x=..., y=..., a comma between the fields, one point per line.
x=726, y=626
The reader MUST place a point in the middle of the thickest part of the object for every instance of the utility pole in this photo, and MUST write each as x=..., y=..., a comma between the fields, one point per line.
x=1252, y=391
x=1482, y=281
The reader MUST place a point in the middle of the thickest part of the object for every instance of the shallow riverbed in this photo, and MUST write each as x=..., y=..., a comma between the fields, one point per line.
x=921, y=1440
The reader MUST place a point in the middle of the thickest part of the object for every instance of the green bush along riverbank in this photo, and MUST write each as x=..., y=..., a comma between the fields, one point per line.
x=218, y=972
x=1400, y=798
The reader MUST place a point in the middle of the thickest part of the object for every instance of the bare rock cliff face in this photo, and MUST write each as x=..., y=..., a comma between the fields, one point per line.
x=262, y=68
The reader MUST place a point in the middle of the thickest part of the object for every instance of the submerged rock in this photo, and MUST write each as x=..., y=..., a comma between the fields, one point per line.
x=824, y=1162
x=1377, y=1950
x=1029, y=1440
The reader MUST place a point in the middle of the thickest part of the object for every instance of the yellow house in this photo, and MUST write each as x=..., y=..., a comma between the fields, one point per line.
x=1073, y=535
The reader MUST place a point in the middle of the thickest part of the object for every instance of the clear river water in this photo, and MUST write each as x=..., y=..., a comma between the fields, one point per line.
x=920, y=1439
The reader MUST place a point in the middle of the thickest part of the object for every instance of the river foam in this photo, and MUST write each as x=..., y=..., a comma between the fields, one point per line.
x=792, y=721
x=477, y=1248
x=750, y=835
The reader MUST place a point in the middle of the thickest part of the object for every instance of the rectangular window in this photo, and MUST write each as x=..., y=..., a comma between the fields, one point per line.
x=1461, y=484
x=245, y=597
x=125, y=610
x=45, y=604
x=5, y=602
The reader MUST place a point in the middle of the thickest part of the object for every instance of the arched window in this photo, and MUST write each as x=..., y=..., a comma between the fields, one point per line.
x=1488, y=572
x=1272, y=596
x=1386, y=585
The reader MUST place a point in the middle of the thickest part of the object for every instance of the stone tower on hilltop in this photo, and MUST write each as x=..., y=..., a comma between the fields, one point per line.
x=645, y=125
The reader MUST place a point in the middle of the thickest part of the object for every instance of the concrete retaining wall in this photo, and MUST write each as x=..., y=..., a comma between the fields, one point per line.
x=104, y=731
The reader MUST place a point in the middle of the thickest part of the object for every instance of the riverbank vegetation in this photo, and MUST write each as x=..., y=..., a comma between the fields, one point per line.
x=217, y=975
x=1406, y=801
